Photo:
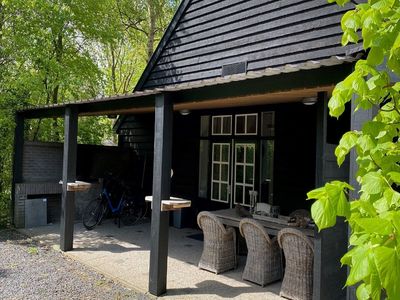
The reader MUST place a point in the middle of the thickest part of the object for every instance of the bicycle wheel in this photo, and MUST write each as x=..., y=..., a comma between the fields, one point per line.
x=93, y=213
x=131, y=214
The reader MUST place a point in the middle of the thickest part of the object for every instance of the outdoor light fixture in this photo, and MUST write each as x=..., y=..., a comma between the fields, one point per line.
x=184, y=112
x=309, y=100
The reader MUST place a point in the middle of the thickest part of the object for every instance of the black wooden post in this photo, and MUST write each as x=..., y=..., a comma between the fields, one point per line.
x=68, y=175
x=17, y=159
x=358, y=118
x=161, y=191
x=330, y=244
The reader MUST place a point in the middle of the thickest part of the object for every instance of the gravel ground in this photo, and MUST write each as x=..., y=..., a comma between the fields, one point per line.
x=32, y=271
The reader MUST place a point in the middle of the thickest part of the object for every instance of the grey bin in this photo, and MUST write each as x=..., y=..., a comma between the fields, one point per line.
x=35, y=212
x=179, y=218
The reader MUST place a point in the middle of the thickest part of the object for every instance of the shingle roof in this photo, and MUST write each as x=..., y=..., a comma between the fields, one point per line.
x=289, y=68
x=206, y=35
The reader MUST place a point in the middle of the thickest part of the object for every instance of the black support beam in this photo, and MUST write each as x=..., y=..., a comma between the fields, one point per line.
x=17, y=159
x=329, y=244
x=161, y=191
x=68, y=175
x=358, y=118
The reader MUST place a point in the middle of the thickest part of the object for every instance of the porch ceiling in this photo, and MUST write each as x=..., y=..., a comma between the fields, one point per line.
x=270, y=98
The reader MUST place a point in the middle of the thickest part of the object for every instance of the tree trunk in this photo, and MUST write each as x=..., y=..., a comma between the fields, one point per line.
x=152, y=28
x=58, y=47
x=113, y=70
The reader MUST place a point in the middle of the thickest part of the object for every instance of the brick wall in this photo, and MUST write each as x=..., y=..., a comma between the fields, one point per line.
x=41, y=173
x=42, y=162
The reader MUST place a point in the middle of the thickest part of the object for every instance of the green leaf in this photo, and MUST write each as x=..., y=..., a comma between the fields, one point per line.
x=375, y=56
x=382, y=4
x=387, y=263
x=316, y=193
x=392, y=197
x=382, y=205
x=363, y=292
x=343, y=206
x=366, y=143
x=360, y=265
x=348, y=141
x=323, y=213
x=336, y=105
x=372, y=183
x=375, y=225
x=395, y=177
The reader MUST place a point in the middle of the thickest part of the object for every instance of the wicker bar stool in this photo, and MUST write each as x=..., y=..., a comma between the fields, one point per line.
x=299, y=254
x=219, y=248
x=264, y=259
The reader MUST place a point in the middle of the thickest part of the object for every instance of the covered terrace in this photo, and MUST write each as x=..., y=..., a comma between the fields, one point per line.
x=289, y=84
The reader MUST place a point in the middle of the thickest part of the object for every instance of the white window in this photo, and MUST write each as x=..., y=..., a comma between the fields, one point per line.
x=220, y=172
x=246, y=124
x=222, y=125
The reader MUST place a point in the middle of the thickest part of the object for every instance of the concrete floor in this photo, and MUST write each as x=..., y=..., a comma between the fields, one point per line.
x=123, y=254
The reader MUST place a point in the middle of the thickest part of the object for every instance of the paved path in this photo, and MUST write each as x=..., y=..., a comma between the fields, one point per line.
x=122, y=254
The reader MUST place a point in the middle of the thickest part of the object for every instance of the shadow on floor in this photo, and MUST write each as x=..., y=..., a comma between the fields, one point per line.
x=213, y=287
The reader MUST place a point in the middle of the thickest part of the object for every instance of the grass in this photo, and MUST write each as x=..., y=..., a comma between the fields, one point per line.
x=33, y=250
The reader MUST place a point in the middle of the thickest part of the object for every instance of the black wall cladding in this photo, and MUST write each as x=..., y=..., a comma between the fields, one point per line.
x=264, y=33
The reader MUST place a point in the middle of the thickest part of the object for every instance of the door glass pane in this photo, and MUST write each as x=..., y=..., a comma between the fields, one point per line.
x=249, y=174
x=249, y=154
x=203, y=168
x=239, y=194
x=240, y=124
x=217, y=152
x=247, y=195
x=224, y=192
x=216, y=171
x=215, y=192
x=217, y=125
x=267, y=167
x=239, y=154
x=227, y=125
x=239, y=174
x=252, y=124
x=268, y=123
x=225, y=153
x=224, y=172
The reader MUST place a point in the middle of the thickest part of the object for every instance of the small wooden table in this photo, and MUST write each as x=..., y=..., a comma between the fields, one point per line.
x=231, y=218
x=172, y=204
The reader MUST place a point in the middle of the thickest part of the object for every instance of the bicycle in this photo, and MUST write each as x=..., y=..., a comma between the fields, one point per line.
x=127, y=208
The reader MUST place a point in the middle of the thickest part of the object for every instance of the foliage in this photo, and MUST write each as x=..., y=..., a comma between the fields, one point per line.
x=62, y=50
x=374, y=217
x=143, y=23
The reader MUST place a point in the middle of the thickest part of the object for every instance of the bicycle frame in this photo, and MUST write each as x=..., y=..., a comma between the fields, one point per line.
x=114, y=210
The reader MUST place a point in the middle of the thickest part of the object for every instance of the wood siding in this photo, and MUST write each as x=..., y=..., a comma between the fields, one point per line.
x=261, y=33
x=137, y=132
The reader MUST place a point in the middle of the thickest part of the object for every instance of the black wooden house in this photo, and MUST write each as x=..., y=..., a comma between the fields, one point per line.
x=234, y=100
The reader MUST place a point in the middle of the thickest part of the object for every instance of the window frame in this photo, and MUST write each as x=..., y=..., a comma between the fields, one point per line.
x=245, y=124
x=222, y=117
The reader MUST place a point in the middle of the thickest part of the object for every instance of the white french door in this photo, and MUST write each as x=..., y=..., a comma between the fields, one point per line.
x=242, y=168
x=244, y=172
x=220, y=177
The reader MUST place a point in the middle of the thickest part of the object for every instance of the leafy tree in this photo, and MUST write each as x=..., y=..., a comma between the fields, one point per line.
x=52, y=46
x=142, y=24
x=52, y=51
x=374, y=217
x=149, y=17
